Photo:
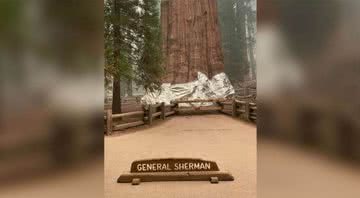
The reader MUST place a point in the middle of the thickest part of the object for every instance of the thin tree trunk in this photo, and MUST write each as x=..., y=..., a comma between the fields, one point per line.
x=116, y=101
x=253, y=63
x=129, y=88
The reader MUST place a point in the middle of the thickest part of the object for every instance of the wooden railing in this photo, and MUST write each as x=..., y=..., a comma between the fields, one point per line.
x=245, y=92
x=196, y=105
x=114, y=122
x=243, y=109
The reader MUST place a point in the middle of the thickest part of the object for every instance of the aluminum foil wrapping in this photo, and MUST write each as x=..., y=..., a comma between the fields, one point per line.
x=219, y=87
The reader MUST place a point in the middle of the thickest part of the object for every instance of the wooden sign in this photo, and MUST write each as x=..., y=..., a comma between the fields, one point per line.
x=172, y=165
x=174, y=169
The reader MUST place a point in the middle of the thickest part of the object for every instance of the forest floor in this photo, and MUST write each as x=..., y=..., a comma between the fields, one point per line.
x=229, y=142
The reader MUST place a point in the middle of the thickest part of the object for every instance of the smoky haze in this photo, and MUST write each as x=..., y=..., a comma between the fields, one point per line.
x=238, y=34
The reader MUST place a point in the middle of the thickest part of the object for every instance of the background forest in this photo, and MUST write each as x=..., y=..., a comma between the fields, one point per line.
x=238, y=30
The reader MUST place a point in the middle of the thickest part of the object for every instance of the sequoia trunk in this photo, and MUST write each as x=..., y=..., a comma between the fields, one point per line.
x=191, y=39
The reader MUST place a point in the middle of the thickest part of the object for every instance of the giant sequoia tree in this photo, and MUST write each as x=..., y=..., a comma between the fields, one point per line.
x=191, y=39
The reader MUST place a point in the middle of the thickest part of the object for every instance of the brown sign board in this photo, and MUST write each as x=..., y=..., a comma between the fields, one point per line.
x=172, y=165
x=174, y=169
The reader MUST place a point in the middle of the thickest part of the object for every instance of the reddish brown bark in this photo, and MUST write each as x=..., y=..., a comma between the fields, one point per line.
x=191, y=39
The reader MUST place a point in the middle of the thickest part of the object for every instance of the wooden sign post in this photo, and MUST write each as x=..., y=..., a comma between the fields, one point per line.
x=174, y=169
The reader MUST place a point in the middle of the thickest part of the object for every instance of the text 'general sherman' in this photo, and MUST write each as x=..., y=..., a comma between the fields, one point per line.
x=173, y=165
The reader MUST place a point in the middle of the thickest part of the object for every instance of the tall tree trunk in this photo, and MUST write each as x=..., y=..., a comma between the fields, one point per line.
x=251, y=26
x=253, y=63
x=191, y=39
x=116, y=101
x=240, y=18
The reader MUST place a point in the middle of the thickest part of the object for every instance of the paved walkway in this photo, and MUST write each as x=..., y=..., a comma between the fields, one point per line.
x=229, y=142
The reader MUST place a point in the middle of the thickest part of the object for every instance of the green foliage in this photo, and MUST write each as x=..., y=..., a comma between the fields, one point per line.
x=120, y=32
x=149, y=69
x=132, y=41
x=10, y=13
x=11, y=20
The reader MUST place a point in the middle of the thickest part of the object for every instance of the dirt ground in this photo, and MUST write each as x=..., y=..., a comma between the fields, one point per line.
x=229, y=142
x=286, y=170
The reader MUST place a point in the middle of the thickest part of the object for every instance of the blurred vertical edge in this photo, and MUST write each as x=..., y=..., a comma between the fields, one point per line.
x=308, y=92
x=51, y=113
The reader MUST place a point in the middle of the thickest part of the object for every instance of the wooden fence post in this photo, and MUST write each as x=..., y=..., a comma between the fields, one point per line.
x=247, y=111
x=150, y=113
x=176, y=106
x=108, y=122
x=234, y=108
x=220, y=105
x=162, y=110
